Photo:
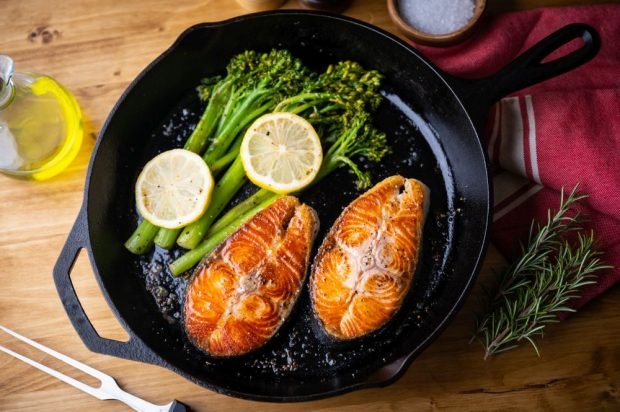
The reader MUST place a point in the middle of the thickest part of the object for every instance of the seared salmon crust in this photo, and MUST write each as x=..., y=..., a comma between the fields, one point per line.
x=243, y=291
x=365, y=266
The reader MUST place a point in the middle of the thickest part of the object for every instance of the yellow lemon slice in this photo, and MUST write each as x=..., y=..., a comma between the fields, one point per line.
x=174, y=189
x=281, y=152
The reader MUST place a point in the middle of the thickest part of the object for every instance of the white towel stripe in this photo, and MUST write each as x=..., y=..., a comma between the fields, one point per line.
x=532, y=137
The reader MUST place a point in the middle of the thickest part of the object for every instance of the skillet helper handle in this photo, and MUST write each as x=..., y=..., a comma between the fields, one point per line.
x=529, y=68
x=133, y=349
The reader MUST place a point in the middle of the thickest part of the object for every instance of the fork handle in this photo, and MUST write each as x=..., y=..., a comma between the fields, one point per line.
x=177, y=406
x=134, y=349
x=111, y=388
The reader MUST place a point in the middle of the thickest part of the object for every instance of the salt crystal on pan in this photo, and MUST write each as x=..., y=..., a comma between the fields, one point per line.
x=437, y=16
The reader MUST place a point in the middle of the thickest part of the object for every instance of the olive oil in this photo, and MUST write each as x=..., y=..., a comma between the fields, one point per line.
x=40, y=124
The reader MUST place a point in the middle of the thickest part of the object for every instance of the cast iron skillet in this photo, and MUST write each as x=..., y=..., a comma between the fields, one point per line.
x=431, y=119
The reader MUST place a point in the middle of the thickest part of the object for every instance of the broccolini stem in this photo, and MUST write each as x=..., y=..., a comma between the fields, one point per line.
x=243, y=125
x=229, y=217
x=197, y=141
x=224, y=191
x=167, y=237
x=224, y=161
x=222, y=141
x=330, y=108
x=301, y=108
x=191, y=258
x=330, y=163
x=230, y=105
x=141, y=239
x=285, y=104
x=232, y=154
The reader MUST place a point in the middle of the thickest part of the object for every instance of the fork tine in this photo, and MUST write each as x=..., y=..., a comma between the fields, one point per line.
x=76, y=364
x=67, y=379
x=108, y=389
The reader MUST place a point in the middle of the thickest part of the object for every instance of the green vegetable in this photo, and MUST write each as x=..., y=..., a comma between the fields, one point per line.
x=166, y=238
x=225, y=160
x=538, y=286
x=146, y=233
x=233, y=214
x=328, y=100
x=254, y=84
x=142, y=238
x=266, y=79
x=191, y=258
x=359, y=139
x=197, y=141
x=223, y=192
x=262, y=81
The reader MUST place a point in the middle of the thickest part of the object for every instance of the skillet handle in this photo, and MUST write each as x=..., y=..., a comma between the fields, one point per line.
x=134, y=349
x=528, y=69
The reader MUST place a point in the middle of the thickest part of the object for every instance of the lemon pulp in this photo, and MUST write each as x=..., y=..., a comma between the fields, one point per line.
x=281, y=152
x=174, y=189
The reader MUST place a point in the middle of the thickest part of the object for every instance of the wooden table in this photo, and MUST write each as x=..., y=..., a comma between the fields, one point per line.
x=95, y=48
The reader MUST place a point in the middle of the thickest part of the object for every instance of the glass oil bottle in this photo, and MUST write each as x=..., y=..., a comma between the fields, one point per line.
x=40, y=124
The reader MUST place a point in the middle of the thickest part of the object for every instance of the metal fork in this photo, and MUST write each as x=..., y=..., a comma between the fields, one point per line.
x=109, y=389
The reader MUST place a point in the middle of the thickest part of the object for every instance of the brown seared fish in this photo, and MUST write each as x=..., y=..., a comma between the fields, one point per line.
x=242, y=292
x=365, y=266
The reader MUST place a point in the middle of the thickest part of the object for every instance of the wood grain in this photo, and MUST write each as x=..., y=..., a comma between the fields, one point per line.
x=95, y=48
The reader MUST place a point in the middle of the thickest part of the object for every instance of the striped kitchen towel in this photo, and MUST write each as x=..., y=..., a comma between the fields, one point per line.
x=553, y=135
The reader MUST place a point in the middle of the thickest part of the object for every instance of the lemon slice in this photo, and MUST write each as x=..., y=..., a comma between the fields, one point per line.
x=174, y=189
x=281, y=152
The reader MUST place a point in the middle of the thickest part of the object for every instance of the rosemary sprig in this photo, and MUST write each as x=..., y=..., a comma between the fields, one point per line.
x=536, y=288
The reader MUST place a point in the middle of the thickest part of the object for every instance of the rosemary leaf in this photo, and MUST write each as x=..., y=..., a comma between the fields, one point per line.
x=535, y=288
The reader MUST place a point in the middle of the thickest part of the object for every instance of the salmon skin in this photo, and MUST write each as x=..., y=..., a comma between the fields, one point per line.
x=365, y=266
x=243, y=291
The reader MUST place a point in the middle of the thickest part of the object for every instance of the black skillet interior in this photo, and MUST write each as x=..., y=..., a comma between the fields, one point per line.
x=432, y=139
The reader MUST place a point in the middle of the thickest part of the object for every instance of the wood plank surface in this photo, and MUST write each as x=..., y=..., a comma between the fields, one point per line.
x=95, y=48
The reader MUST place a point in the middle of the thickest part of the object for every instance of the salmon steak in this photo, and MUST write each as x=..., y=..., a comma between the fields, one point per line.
x=243, y=291
x=365, y=266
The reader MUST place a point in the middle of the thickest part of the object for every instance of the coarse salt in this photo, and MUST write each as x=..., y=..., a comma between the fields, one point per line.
x=437, y=16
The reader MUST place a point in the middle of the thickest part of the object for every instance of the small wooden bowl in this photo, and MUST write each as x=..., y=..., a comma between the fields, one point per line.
x=434, y=39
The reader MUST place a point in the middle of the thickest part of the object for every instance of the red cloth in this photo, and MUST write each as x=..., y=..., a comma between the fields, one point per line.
x=556, y=134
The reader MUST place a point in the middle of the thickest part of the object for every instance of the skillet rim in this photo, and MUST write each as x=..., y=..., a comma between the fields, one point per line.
x=397, y=367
